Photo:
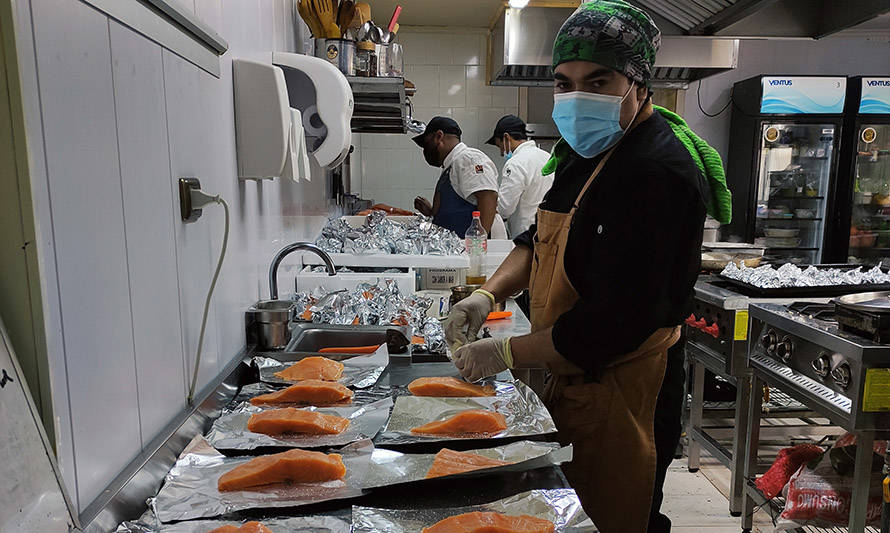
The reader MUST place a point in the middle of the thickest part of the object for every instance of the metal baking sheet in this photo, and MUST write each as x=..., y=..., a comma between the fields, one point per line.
x=359, y=372
x=389, y=467
x=525, y=414
x=560, y=506
x=820, y=291
x=229, y=431
x=190, y=491
x=302, y=524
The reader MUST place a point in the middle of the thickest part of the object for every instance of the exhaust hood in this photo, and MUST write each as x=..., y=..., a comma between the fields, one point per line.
x=522, y=47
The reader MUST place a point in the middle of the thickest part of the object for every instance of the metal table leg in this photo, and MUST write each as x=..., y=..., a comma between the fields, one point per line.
x=695, y=415
x=737, y=483
x=861, y=478
x=752, y=442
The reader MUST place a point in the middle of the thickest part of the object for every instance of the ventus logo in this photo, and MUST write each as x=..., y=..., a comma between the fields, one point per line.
x=785, y=83
x=878, y=83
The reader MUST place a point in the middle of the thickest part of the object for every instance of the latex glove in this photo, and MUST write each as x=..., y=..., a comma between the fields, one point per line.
x=483, y=358
x=466, y=317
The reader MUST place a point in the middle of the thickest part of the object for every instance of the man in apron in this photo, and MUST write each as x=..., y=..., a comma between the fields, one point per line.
x=610, y=263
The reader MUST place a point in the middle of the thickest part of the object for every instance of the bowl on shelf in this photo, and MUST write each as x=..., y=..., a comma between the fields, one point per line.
x=863, y=240
x=805, y=213
x=782, y=242
x=862, y=198
x=782, y=232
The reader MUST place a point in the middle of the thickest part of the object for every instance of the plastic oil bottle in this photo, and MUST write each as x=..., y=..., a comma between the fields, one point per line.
x=477, y=250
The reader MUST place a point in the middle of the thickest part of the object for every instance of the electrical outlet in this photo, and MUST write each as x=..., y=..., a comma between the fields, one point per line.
x=188, y=213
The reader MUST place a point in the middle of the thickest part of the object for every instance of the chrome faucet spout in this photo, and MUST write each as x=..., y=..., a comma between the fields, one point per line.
x=289, y=249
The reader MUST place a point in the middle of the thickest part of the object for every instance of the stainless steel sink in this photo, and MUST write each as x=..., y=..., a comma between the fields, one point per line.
x=307, y=339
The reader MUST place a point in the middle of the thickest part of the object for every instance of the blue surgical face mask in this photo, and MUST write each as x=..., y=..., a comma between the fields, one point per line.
x=507, y=152
x=589, y=122
x=507, y=156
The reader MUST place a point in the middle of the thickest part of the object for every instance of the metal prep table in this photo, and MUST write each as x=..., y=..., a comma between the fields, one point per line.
x=719, y=342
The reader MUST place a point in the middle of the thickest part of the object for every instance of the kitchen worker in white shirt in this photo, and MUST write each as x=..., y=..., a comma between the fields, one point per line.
x=469, y=179
x=522, y=185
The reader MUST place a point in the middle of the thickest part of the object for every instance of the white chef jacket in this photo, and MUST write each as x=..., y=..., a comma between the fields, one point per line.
x=471, y=171
x=523, y=187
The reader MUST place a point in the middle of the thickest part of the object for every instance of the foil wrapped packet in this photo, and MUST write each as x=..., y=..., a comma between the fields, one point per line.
x=190, y=488
x=560, y=506
x=382, y=235
x=791, y=275
x=525, y=414
x=359, y=372
x=229, y=431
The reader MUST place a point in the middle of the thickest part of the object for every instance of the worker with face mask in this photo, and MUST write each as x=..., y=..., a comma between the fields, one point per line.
x=610, y=262
x=522, y=185
x=468, y=183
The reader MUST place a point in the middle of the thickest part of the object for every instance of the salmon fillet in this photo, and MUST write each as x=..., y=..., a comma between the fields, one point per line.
x=449, y=462
x=448, y=388
x=312, y=368
x=308, y=392
x=290, y=420
x=479, y=522
x=472, y=421
x=292, y=466
x=249, y=527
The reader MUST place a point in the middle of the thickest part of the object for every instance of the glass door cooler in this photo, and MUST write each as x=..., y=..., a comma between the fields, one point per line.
x=862, y=232
x=782, y=163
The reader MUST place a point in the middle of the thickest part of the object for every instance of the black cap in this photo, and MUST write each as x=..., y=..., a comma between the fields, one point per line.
x=508, y=124
x=443, y=124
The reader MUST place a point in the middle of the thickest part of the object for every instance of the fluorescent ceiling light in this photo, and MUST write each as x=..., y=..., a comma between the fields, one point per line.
x=518, y=4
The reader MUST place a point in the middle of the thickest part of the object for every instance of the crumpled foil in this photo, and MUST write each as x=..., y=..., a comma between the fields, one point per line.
x=190, y=491
x=319, y=269
x=391, y=468
x=229, y=431
x=301, y=524
x=525, y=415
x=790, y=275
x=360, y=372
x=359, y=397
x=380, y=304
x=560, y=506
x=382, y=235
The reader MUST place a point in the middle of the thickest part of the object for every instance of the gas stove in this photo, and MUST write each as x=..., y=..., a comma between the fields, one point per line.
x=814, y=354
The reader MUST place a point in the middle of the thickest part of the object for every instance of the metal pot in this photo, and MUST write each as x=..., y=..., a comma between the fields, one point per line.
x=459, y=292
x=271, y=321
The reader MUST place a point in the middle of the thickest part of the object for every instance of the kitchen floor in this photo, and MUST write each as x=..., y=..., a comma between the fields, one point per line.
x=697, y=502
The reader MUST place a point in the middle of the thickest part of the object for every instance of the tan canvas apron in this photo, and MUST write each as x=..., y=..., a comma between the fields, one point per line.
x=609, y=422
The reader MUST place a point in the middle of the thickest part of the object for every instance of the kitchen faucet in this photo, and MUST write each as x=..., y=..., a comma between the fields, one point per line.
x=289, y=249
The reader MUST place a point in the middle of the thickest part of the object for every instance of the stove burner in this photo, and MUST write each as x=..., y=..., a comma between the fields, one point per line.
x=814, y=310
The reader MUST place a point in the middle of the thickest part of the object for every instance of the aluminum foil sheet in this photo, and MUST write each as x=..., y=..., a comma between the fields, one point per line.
x=380, y=234
x=790, y=275
x=360, y=372
x=391, y=468
x=229, y=431
x=360, y=396
x=560, y=506
x=525, y=415
x=303, y=524
x=190, y=491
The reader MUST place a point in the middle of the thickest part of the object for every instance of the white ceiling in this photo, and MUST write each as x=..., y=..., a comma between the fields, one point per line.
x=468, y=13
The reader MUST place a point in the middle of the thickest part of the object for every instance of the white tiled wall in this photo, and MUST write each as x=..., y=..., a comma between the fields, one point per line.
x=448, y=68
x=113, y=120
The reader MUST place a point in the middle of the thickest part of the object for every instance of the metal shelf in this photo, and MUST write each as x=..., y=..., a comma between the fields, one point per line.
x=379, y=105
x=790, y=218
x=800, y=248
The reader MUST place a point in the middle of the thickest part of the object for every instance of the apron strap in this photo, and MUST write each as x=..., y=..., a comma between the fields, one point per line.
x=596, y=171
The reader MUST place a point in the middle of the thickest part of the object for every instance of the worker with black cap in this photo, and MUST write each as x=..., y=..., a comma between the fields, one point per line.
x=522, y=186
x=469, y=179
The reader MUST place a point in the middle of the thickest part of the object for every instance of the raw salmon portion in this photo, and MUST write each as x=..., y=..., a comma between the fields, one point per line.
x=292, y=466
x=312, y=368
x=449, y=462
x=308, y=392
x=490, y=522
x=471, y=421
x=250, y=527
x=448, y=388
x=290, y=420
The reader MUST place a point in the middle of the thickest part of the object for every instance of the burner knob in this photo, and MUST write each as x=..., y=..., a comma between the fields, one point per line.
x=768, y=341
x=784, y=349
x=822, y=365
x=841, y=375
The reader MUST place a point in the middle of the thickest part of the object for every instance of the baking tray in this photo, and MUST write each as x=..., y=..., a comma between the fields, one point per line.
x=807, y=292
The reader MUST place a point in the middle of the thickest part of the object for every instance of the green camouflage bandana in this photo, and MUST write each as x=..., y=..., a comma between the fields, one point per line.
x=612, y=33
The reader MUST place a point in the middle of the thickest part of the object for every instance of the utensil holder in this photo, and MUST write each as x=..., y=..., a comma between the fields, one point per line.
x=270, y=321
x=338, y=52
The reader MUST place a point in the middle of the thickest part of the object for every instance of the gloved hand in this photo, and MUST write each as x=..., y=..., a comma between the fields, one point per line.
x=469, y=313
x=483, y=358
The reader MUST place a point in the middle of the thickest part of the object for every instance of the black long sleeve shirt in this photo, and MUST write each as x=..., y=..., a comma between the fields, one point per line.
x=634, y=248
